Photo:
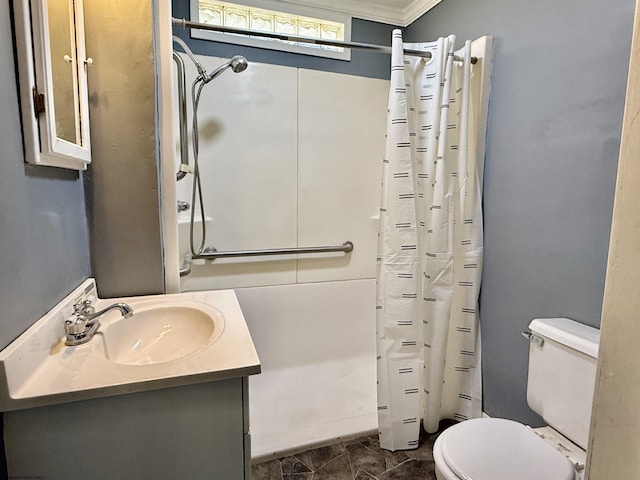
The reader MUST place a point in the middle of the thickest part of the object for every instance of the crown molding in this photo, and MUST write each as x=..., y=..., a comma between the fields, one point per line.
x=397, y=14
x=416, y=9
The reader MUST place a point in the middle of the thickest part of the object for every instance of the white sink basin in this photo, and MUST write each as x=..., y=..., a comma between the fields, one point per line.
x=169, y=341
x=160, y=333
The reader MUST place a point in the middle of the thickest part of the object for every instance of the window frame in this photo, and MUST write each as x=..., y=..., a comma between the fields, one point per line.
x=264, y=43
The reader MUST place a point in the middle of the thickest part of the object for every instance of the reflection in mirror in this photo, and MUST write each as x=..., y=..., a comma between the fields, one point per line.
x=64, y=70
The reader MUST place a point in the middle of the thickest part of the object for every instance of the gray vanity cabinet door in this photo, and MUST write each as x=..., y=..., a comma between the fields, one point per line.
x=192, y=432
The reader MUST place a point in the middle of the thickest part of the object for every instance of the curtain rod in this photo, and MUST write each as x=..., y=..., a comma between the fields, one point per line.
x=184, y=23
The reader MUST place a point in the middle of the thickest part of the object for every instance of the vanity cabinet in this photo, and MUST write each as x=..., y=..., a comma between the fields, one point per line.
x=77, y=413
x=198, y=431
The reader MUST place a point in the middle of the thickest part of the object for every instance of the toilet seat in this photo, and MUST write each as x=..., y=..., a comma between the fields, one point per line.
x=499, y=449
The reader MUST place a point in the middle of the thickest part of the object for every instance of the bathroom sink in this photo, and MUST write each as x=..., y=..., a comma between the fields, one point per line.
x=170, y=340
x=160, y=333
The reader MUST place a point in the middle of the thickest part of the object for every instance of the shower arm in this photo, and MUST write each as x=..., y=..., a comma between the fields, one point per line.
x=187, y=50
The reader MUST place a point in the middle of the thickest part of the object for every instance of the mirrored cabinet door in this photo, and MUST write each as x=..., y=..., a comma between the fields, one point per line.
x=52, y=65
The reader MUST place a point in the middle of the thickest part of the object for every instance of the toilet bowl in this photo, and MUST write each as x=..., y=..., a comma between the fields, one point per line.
x=497, y=449
x=560, y=385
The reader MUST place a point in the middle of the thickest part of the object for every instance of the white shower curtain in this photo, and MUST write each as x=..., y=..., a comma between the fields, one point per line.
x=430, y=246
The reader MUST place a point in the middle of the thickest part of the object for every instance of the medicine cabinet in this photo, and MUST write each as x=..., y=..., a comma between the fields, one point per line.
x=52, y=66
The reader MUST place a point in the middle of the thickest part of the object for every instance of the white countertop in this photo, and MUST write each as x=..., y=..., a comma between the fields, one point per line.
x=37, y=369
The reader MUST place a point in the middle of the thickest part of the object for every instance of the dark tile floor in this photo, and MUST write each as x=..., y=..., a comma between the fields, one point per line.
x=359, y=459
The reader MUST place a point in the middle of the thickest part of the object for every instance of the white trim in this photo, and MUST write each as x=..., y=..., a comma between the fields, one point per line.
x=359, y=9
x=290, y=8
x=416, y=9
x=83, y=87
x=482, y=49
x=165, y=100
x=377, y=12
x=52, y=148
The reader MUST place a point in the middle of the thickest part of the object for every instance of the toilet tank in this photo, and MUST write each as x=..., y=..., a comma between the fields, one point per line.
x=562, y=374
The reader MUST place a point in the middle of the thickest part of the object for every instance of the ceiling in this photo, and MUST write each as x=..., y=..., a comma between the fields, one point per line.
x=394, y=12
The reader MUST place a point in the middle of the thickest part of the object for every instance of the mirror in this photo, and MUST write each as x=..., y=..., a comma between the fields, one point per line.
x=64, y=71
x=53, y=85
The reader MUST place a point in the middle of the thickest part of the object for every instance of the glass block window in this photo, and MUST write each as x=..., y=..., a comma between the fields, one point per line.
x=260, y=16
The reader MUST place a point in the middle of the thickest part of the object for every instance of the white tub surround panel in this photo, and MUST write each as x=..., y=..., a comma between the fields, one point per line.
x=341, y=143
x=316, y=344
x=310, y=323
x=248, y=149
x=289, y=158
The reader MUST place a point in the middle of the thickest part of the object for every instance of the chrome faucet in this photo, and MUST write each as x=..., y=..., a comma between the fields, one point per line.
x=83, y=323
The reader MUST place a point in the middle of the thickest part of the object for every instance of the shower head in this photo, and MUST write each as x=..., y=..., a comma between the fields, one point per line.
x=237, y=64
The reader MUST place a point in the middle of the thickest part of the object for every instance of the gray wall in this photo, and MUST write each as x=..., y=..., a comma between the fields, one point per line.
x=44, y=246
x=365, y=64
x=122, y=181
x=555, y=119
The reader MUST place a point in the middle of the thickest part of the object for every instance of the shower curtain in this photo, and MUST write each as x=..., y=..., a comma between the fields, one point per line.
x=430, y=246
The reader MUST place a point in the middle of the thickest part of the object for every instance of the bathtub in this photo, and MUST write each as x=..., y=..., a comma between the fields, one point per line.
x=316, y=344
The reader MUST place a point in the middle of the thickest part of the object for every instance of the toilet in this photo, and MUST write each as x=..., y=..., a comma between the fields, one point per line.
x=560, y=385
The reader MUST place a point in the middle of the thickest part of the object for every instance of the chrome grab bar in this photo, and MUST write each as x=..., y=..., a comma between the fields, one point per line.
x=185, y=268
x=212, y=254
x=182, y=115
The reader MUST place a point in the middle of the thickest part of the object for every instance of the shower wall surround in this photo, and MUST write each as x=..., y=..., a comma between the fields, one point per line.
x=292, y=157
x=289, y=157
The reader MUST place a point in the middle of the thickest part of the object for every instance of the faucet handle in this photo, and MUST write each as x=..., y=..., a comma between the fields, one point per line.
x=75, y=325
x=84, y=308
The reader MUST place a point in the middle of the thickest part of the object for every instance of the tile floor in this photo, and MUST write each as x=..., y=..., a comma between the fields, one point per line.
x=359, y=459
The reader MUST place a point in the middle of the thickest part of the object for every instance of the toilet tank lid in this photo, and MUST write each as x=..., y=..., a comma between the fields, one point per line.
x=580, y=337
